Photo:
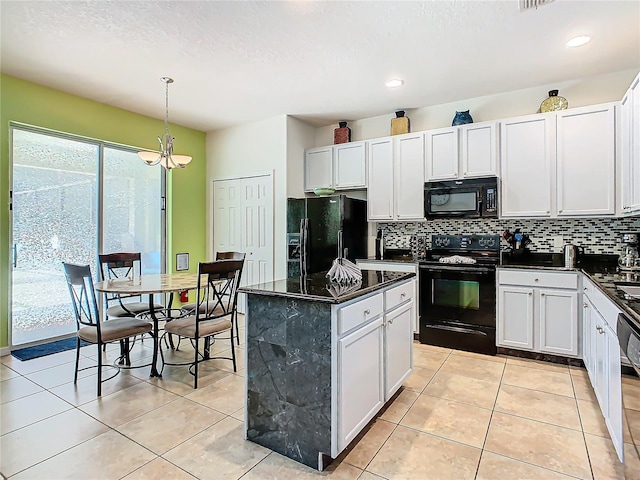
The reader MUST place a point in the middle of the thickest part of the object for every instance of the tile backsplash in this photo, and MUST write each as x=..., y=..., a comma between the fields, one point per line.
x=596, y=235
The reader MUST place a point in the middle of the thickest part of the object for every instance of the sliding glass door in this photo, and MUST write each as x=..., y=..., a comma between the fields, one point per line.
x=59, y=184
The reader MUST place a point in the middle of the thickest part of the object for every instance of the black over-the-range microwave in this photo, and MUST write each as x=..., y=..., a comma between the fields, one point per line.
x=468, y=198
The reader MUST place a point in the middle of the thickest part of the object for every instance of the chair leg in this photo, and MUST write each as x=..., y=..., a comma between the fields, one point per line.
x=99, y=370
x=195, y=367
x=127, y=358
x=235, y=315
x=233, y=350
x=75, y=375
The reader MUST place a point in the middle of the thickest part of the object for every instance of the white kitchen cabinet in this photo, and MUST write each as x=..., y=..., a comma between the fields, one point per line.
x=558, y=321
x=515, y=317
x=391, y=266
x=538, y=311
x=630, y=148
x=409, y=176
x=350, y=165
x=361, y=379
x=602, y=358
x=341, y=166
x=442, y=153
x=479, y=149
x=374, y=342
x=465, y=151
x=380, y=190
x=585, y=156
x=527, y=160
x=395, y=178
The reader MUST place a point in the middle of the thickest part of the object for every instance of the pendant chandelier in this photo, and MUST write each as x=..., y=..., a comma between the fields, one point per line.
x=165, y=157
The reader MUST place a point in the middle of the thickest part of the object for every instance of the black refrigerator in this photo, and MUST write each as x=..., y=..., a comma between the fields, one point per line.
x=314, y=225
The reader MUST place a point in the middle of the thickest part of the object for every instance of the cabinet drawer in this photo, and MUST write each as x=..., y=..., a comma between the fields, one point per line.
x=358, y=313
x=531, y=278
x=398, y=295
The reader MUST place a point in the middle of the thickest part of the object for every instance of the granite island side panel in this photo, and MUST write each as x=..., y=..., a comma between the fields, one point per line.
x=289, y=361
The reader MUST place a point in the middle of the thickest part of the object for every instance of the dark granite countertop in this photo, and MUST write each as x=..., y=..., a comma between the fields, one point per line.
x=601, y=269
x=402, y=255
x=317, y=287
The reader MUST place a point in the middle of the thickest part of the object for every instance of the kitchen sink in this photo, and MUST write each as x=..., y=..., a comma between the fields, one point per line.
x=632, y=291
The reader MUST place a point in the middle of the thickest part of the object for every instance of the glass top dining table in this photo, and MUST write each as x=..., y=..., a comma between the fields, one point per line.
x=149, y=285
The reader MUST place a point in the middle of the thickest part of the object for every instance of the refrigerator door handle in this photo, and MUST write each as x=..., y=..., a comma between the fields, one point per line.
x=303, y=246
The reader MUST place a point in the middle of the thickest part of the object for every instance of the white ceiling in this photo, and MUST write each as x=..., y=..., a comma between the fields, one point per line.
x=321, y=61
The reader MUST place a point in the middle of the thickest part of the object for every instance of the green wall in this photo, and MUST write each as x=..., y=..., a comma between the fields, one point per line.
x=26, y=102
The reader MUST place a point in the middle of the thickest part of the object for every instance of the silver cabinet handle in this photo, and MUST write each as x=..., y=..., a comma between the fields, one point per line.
x=367, y=311
x=585, y=305
x=585, y=289
x=536, y=279
x=390, y=322
x=530, y=293
x=402, y=295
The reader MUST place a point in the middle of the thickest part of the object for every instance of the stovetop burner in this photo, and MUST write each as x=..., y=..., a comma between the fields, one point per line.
x=484, y=250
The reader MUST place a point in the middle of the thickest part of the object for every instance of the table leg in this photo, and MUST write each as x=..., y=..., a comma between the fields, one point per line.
x=156, y=339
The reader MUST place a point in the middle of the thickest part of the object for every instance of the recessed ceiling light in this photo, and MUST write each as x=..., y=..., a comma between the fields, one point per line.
x=578, y=41
x=394, y=82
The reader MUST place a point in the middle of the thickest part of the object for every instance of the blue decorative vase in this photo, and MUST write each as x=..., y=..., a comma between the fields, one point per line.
x=461, y=118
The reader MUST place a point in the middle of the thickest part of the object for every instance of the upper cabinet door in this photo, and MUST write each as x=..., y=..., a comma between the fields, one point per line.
x=479, y=149
x=442, y=154
x=409, y=176
x=630, y=149
x=526, y=162
x=350, y=165
x=380, y=179
x=586, y=143
x=318, y=168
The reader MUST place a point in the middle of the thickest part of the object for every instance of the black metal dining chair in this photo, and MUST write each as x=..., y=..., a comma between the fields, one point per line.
x=190, y=307
x=121, y=265
x=89, y=326
x=218, y=291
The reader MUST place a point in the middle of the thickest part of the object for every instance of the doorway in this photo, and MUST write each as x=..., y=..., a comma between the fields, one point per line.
x=243, y=222
x=72, y=198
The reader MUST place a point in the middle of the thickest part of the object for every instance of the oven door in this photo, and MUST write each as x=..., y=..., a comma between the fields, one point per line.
x=447, y=202
x=458, y=307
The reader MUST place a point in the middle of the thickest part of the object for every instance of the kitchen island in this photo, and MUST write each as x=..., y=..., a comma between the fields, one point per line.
x=323, y=359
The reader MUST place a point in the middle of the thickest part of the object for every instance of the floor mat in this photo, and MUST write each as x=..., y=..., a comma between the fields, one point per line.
x=44, y=349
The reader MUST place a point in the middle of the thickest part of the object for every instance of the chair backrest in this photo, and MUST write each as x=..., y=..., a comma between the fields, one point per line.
x=119, y=265
x=83, y=297
x=232, y=256
x=218, y=284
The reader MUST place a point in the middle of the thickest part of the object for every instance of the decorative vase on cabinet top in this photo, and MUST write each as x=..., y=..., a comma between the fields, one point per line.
x=460, y=118
x=554, y=102
x=342, y=134
x=400, y=124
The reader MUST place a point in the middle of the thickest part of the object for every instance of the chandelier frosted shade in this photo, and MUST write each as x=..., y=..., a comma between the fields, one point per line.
x=165, y=156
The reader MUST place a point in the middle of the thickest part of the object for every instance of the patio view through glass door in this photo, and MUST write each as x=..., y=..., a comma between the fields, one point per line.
x=56, y=217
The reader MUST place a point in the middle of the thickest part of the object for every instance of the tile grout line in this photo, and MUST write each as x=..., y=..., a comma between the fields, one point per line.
x=584, y=437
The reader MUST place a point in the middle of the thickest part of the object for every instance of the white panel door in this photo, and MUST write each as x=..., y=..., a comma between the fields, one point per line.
x=558, y=312
x=527, y=158
x=227, y=222
x=442, y=153
x=409, y=176
x=626, y=149
x=350, y=165
x=479, y=149
x=515, y=317
x=380, y=179
x=257, y=229
x=586, y=143
x=635, y=143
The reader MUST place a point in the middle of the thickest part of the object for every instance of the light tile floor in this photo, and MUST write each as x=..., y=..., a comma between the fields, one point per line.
x=459, y=416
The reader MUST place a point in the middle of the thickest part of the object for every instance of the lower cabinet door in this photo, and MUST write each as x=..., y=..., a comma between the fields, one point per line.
x=614, y=393
x=360, y=379
x=398, y=339
x=601, y=362
x=558, y=321
x=515, y=317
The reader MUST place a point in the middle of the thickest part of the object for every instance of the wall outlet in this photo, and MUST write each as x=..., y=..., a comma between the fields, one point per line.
x=558, y=242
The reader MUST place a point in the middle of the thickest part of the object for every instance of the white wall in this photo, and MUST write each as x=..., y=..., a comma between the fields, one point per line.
x=250, y=149
x=299, y=136
x=587, y=91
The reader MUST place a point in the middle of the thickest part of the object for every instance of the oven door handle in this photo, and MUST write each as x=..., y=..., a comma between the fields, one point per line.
x=456, y=329
x=433, y=268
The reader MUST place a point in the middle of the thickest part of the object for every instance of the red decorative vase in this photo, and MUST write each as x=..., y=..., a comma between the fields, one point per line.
x=342, y=134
